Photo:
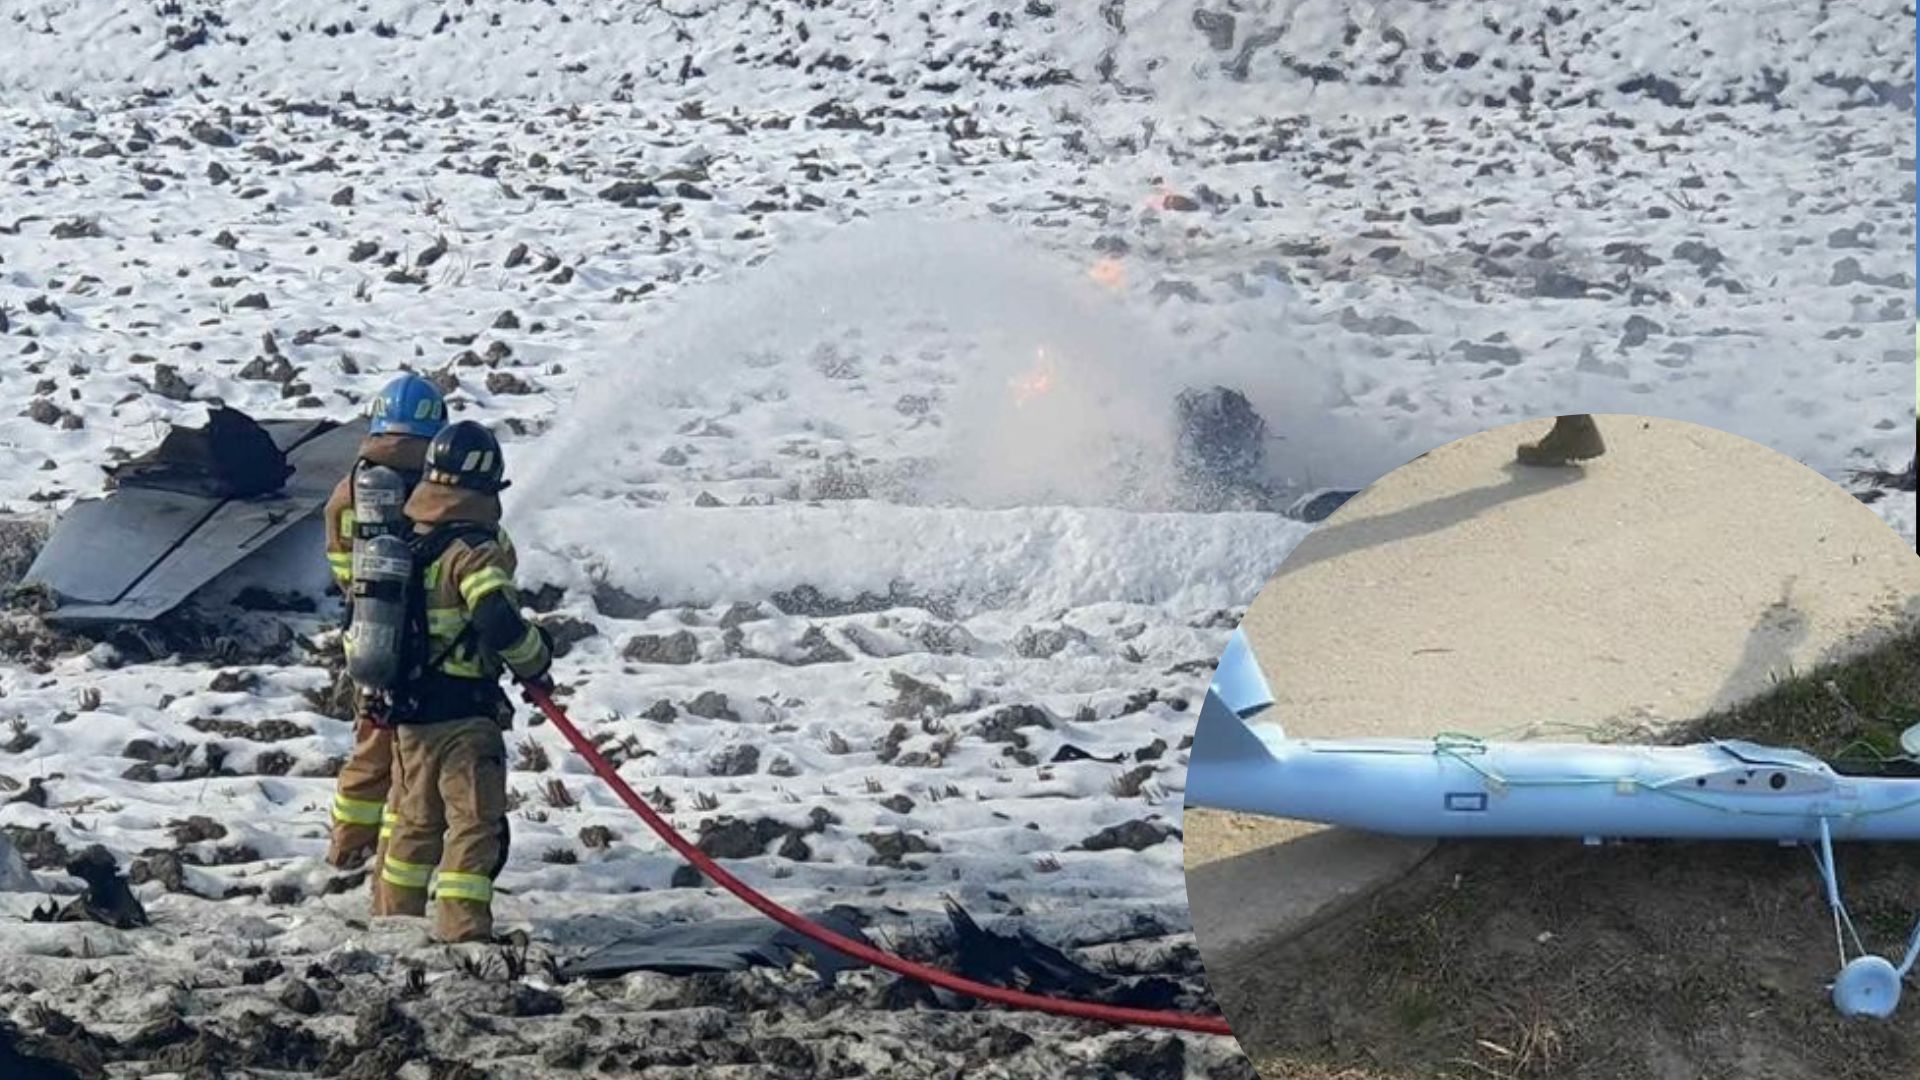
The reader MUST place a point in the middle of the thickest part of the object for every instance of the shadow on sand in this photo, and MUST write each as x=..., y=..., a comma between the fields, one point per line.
x=1345, y=534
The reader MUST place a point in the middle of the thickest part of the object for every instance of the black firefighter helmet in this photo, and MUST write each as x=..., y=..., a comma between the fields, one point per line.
x=466, y=455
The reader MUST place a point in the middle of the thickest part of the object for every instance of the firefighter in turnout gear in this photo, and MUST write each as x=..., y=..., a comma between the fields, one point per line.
x=449, y=754
x=407, y=414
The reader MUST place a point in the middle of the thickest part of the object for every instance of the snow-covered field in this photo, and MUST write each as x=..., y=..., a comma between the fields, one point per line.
x=835, y=348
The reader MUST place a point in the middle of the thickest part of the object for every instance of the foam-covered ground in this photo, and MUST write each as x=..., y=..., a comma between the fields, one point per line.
x=835, y=347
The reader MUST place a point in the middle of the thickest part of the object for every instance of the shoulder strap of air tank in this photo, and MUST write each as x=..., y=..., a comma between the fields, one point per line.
x=427, y=549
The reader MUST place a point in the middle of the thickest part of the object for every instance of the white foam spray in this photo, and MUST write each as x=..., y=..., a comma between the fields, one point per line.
x=1056, y=389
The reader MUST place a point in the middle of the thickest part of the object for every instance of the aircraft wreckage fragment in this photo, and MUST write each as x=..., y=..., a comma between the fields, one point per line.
x=718, y=945
x=1460, y=786
x=182, y=515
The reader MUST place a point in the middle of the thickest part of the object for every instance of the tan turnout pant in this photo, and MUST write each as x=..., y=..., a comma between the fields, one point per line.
x=362, y=819
x=449, y=838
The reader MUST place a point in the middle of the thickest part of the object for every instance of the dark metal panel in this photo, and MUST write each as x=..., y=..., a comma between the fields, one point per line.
x=137, y=554
x=102, y=546
x=717, y=945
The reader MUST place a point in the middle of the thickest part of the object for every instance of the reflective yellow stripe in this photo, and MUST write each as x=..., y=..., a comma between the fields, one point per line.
x=475, y=586
x=525, y=652
x=355, y=811
x=405, y=874
x=388, y=819
x=464, y=668
x=443, y=626
x=459, y=886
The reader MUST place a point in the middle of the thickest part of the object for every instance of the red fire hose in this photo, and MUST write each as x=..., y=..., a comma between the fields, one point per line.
x=1112, y=1014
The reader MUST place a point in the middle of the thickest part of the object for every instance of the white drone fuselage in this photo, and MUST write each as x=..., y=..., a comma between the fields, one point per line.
x=1465, y=787
x=1724, y=790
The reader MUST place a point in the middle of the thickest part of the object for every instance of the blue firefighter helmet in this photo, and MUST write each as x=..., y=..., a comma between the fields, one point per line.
x=409, y=405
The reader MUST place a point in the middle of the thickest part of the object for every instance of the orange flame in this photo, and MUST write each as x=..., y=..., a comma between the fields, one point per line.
x=1108, y=271
x=1035, y=381
x=1161, y=194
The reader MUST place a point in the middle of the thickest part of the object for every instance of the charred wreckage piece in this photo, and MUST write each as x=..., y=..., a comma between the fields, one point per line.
x=1220, y=450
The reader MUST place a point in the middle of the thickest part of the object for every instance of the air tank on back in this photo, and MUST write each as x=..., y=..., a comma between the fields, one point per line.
x=379, y=497
x=382, y=574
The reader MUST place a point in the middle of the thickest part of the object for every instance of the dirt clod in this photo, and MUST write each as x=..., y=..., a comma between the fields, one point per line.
x=299, y=996
x=1132, y=835
x=679, y=647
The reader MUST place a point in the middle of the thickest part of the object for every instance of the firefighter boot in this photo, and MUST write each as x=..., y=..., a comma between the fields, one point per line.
x=1573, y=438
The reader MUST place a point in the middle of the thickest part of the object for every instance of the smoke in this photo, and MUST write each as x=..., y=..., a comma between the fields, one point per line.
x=1051, y=383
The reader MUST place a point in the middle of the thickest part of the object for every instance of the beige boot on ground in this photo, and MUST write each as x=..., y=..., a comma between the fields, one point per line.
x=1573, y=439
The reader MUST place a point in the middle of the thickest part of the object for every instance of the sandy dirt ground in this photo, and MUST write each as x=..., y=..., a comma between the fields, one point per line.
x=1678, y=573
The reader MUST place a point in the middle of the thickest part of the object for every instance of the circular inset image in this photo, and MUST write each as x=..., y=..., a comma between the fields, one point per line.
x=1576, y=748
